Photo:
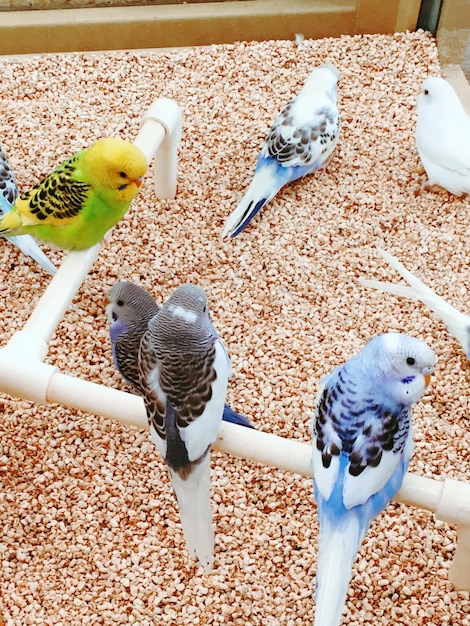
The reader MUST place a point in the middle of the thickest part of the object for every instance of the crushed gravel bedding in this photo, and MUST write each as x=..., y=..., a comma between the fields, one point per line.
x=90, y=530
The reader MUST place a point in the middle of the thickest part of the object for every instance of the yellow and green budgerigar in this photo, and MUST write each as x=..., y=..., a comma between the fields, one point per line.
x=82, y=199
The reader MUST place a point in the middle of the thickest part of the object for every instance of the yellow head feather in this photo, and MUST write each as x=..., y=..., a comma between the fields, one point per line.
x=116, y=164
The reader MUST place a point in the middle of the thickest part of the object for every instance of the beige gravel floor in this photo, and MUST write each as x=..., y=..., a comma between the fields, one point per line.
x=90, y=532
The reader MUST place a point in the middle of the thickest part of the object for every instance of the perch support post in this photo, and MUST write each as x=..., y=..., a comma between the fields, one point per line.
x=159, y=135
x=454, y=508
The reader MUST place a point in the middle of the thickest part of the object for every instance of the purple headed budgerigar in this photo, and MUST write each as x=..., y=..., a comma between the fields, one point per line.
x=129, y=311
x=443, y=136
x=362, y=444
x=8, y=194
x=301, y=141
x=457, y=323
x=184, y=371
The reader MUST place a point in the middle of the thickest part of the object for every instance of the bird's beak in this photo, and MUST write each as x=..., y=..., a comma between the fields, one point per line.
x=427, y=379
x=138, y=181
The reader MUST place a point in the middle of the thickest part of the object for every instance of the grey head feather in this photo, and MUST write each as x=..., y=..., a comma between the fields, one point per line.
x=183, y=324
x=129, y=311
x=131, y=303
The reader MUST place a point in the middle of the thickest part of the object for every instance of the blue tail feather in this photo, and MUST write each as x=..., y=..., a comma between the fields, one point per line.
x=235, y=418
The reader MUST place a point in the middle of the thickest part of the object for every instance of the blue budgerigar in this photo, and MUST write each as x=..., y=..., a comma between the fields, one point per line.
x=362, y=444
x=8, y=194
x=301, y=141
x=129, y=311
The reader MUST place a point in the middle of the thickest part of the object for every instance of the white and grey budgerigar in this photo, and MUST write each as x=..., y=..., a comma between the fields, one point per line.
x=184, y=371
x=301, y=141
x=457, y=323
x=130, y=308
x=362, y=444
x=8, y=194
x=443, y=136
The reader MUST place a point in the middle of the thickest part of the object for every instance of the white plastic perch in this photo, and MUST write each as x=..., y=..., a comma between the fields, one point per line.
x=22, y=360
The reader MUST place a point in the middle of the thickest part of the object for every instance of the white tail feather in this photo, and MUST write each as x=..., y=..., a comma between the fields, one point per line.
x=336, y=553
x=458, y=323
x=194, y=503
x=28, y=246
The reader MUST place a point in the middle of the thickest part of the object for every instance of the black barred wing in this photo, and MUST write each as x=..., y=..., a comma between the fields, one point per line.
x=296, y=139
x=154, y=404
x=187, y=382
x=353, y=423
x=59, y=196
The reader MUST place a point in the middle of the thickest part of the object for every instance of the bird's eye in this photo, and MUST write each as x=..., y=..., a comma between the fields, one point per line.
x=426, y=92
x=410, y=360
x=120, y=302
x=123, y=174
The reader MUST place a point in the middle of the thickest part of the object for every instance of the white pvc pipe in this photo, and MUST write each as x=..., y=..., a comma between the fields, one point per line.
x=459, y=572
x=449, y=499
x=159, y=136
x=60, y=292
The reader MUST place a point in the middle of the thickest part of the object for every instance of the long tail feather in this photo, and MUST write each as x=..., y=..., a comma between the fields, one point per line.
x=30, y=248
x=232, y=416
x=193, y=494
x=457, y=323
x=264, y=186
x=337, y=550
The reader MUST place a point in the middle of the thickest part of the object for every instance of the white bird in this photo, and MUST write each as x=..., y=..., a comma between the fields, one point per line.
x=443, y=137
x=457, y=323
x=300, y=141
